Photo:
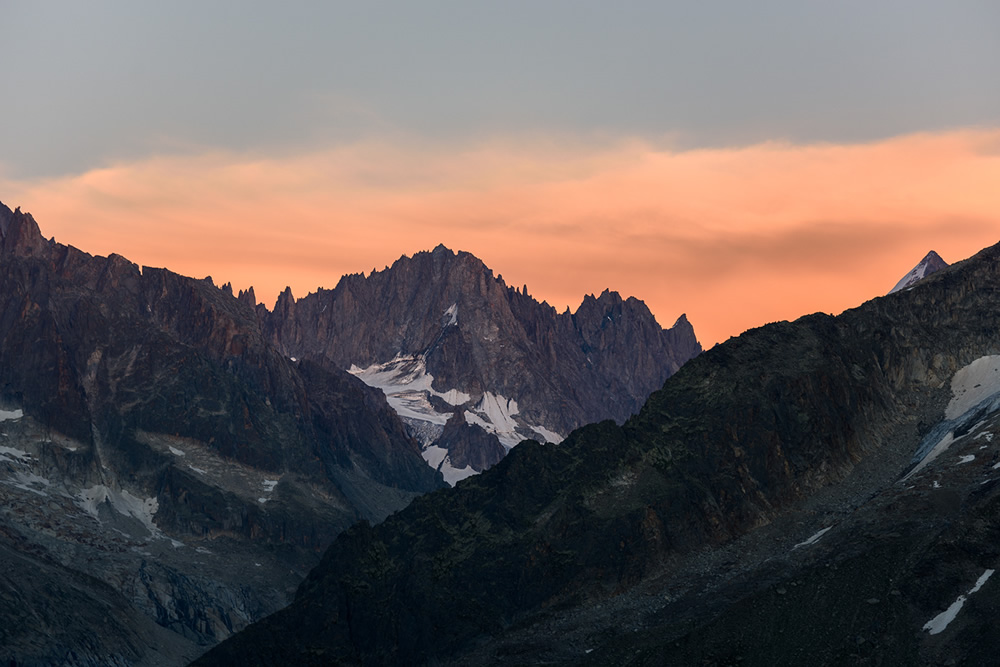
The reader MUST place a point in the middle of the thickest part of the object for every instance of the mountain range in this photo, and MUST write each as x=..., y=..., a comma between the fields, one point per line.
x=820, y=492
x=175, y=458
x=474, y=367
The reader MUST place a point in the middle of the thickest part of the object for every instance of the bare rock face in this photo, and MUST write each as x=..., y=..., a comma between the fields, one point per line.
x=440, y=333
x=158, y=448
x=469, y=446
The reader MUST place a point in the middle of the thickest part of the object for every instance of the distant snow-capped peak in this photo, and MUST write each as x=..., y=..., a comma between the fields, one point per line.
x=931, y=263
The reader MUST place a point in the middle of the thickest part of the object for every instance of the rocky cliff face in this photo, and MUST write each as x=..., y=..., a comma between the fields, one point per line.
x=443, y=337
x=788, y=497
x=160, y=457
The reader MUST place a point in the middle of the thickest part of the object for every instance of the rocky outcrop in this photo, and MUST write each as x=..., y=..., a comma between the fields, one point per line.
x=516, y=366
x=689, y=509
x=157, y=442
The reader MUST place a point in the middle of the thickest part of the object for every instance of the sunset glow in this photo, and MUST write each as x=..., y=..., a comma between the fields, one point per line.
x=732, y=237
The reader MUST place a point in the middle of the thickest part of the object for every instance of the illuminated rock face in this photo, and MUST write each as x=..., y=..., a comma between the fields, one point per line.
x=442, y=336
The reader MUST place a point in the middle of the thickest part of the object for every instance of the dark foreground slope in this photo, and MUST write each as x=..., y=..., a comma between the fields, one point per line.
x=684, y=535
x=158, y=457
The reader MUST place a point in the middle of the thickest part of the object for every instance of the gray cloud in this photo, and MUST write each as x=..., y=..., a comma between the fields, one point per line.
x=90, y=83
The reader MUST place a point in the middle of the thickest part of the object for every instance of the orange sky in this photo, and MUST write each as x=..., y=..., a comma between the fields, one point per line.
x=733, y=237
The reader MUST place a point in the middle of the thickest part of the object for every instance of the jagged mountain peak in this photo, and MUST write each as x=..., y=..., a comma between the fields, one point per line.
x=525, y=370
x=248, y=297
x=21, y=234
x=931, y=263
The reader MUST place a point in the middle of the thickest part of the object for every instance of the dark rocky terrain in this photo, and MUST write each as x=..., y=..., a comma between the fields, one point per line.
x=819, y=492
x=448, y=340
x=167, y=476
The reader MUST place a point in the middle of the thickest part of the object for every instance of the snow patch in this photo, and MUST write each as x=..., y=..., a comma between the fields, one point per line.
x=27, y=481
x=975, y=390
x=10, y=415
x=935, y=452
x=12, y=454
x=454, y=475
x=907, y=281
x=814, y=539
x=123, y=502
x=198, y=470
x=176, y=452
x=941, y=621
x=269, y=485
x=434, y=455
x=451, y=315
x=968, y=458
x=973, y=384
x=407, y=387
x=547, y=435
x=495, y=414
x=437, y=458
x=453, y=396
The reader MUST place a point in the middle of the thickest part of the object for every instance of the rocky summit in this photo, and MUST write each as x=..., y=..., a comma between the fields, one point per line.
x=474, y=366
x=167, y=475
x=820, y=492
x=931, y=263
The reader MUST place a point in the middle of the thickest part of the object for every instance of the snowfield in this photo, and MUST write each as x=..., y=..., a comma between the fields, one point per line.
x=975, y=390
x=408, y=389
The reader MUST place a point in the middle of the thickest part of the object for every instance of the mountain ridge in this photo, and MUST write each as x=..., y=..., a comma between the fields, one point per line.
x=160, y=456
x=481, y=349
x=789, y=421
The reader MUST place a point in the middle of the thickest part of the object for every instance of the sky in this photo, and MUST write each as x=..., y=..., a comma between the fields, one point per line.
x=738, y=162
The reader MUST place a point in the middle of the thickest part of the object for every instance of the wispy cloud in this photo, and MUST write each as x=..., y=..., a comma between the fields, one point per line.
x=734, y=237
